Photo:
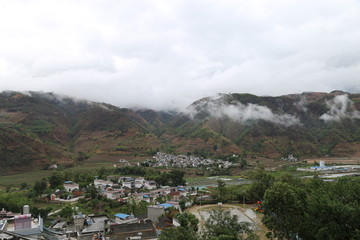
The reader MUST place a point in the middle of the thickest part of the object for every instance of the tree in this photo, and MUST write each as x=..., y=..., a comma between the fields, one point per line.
x=43, y=212
x=188, y=220
x=23, y=185
x=221, y=225
x=92, y=192
x=82, y=156
x=178, y=233
x=182, y=204
x=243, y=163
x=102, y=173
x=261, y=182
x=313, y=209
x=284, y=205
x=176, y=178
x=56, y=179
x=187, y=230
x=40, y=187
x=66, y=212
x=221, y=190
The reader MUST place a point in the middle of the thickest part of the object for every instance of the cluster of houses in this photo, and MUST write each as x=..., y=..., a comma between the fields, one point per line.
x=124, y=189
x=87, y=227
x=121, y=226
x=289, y=158
x=183, y=161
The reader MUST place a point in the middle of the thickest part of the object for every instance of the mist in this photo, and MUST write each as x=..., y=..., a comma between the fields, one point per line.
x=242, y=113
x=340, y=108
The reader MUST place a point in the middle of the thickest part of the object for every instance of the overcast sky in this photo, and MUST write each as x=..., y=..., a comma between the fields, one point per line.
x=167, y=54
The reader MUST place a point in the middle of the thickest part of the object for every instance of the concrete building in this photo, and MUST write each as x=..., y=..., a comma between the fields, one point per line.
x=69, y=187
x=154, y=212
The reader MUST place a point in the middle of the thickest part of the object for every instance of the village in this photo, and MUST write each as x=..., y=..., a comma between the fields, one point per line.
x=133, y=202
x=183, y=161
x=160, y=200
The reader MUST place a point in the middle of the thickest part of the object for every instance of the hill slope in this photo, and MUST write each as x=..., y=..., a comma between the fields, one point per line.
x=308, y=124
x=43, y=128
x=38, y=129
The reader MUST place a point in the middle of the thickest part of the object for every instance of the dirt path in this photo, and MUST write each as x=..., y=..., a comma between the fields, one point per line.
x=247, y=214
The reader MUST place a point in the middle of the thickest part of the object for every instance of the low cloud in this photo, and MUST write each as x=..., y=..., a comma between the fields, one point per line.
x=301, y=105
x=340, y=108
x=58, y=98
x=243, y=113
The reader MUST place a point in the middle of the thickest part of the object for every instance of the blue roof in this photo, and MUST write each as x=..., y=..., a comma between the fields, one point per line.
x=166, y=205
x=68, y=182
x=181, y=189
x=146, y=196
x=121, y=215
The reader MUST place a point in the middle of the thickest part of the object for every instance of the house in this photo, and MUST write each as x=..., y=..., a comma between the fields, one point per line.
x=138, y=184
x=121, y=218
x=145, y=229
x=127, y=184
x=69, y=187
x=126, y=179
x=113, y=194
x=175, y=205
x=159, y=193
x=83, y=226
x=53, y=166
x=154, y=212
x=99, y=183
x=150, y=185
x=175, y=196
x=164, y=223
x=166, y=205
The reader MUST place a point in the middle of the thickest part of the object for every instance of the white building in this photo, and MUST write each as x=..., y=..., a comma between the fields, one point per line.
x=150, y=185
x=69, y=187
x=99, y=183
x=127, y=184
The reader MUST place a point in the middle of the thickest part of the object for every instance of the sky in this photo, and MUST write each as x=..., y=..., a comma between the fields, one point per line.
x=167, y=54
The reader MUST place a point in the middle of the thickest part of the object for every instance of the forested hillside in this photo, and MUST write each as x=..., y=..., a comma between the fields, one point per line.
x=38, y=129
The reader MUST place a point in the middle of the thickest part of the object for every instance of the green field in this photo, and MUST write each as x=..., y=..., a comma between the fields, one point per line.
x=32, y=176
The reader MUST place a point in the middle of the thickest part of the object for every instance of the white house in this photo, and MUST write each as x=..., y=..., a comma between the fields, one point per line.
x=138, y=184
x=69, y=187
x=127, y=184
x=99, y=183
x=150, y=185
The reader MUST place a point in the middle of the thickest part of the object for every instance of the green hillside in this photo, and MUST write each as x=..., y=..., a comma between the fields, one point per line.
x=38, y=129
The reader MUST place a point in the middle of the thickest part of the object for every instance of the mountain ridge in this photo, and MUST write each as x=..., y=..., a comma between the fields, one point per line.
x=43, y=128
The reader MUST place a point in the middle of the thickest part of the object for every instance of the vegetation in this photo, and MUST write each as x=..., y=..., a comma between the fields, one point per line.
x=221, y=225
x=14, y=201
x=43, y=127
x=295, y=207
x=313, y=209
x=172, y=178
x=187, y=230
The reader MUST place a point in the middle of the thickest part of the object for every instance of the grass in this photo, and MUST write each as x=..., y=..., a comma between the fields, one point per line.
x=26, y=177
x=206, y=180
x=30, y=177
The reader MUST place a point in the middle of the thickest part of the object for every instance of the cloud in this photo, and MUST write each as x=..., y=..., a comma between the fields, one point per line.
x=166, y=54
x=301, y=104
x=57, y=98
x=241, y=112
x=340, y=108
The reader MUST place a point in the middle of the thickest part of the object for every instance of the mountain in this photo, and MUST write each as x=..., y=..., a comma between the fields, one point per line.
x=44, y=128
x=308, y=124
x=38, y=129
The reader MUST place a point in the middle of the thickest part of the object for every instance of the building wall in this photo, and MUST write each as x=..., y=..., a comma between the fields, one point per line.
x=154, y=212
